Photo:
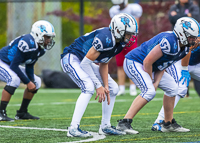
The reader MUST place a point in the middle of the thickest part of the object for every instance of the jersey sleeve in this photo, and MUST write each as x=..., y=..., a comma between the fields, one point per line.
x=136, y=10
x=14, y=65
x=102, y=43
x=168, y=46
x=26, y=45
x=30, y=71
x=113, y=11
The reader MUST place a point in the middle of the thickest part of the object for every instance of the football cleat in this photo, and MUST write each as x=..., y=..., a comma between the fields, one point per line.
x=157, y=126
x=77, y=132
x=172, y=127
x=25, y=116
x=120, y=93
x=110, y=130
x=125, y=125
x=4, y=117
x=133, y=92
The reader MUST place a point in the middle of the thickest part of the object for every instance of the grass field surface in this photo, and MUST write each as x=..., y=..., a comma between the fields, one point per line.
x=55, y=108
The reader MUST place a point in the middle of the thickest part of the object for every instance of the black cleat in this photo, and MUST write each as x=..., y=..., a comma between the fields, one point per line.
x=4, y=117
x=25, y=116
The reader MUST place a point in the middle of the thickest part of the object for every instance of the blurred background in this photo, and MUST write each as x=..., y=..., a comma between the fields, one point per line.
x=73, y=18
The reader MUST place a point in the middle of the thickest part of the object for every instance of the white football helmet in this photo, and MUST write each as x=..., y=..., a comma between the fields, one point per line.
x=120, y=2
x=122, y=24
x=186, y=27
x=41, y=28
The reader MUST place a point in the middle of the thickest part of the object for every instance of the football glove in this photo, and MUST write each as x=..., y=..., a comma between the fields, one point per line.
x=185, y=75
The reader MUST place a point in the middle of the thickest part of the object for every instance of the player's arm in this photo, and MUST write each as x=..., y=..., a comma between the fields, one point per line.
x=151, y=58
x=103, y=69
x=30, y=71
x=157, y=77
x=86, y=65
x=185, y=75
x=14, y=65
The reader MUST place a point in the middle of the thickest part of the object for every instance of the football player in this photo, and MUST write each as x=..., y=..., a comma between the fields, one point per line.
x=25, y=49
x=146, y=66
x=181, y=71
x=78, y=61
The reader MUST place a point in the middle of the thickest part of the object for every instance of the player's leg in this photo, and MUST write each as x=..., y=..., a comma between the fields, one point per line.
x=132, y=86
x=143, y=81
x=71, y=65
x=13, y=81
x=195, y=74
x=105, y=127
x=121, y=76
x=22, y=113
x=170, y=86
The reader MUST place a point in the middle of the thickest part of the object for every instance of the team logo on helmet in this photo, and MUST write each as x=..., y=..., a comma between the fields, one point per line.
x=187, y=25
x=43, y=28
x=125, y=21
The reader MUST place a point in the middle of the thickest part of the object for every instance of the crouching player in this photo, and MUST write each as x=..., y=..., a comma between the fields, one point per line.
x=146, y=66
x=25, y=49
x=78, y=61
x=181, y=71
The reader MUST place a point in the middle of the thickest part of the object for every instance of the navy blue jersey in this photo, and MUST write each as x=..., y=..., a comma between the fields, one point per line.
x=101, y=39
x=170, y=48
x=195, y=57
x=22, y=50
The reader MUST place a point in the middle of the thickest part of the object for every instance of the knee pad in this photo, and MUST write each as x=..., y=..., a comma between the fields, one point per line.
x=114, y=91
x=148, y=94
x=10, y=89
x=88, y=88
x=15, y=81
x=182, y=92
x=172, y=92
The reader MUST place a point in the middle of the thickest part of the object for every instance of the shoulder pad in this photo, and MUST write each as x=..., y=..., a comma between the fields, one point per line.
x=102, y=43
x=25, y=46
x=169, y=46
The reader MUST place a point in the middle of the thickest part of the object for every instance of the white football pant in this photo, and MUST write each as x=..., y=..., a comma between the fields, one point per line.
x=71, y=65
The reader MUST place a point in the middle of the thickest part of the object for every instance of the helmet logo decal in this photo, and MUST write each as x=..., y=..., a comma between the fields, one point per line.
x=43, y=28
x=125, y=21
x=187, y=25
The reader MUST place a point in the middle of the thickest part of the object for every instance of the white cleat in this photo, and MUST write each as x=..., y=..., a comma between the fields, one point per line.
x=172, y=127
x=120, y=93
x=77, y=132
x=133, y=92
x=110, y=130
x=125, y=125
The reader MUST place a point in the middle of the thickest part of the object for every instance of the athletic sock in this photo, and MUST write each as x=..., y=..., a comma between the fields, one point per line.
x=3, y=105
x=24, y=106
x=80, y=108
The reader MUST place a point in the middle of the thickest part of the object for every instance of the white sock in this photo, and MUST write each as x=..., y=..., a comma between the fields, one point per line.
x=122, y=88
x=132, y=87
x=80, y=108
x=107, y=111
x=161, y=114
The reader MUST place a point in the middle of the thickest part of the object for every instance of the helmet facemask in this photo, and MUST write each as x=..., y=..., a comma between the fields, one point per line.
x=47, y=42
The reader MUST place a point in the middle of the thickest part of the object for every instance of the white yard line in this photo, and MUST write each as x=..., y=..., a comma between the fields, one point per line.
x=96, y=136
x=91, y=102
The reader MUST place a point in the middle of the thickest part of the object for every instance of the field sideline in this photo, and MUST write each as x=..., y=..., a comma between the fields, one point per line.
x=55, y=108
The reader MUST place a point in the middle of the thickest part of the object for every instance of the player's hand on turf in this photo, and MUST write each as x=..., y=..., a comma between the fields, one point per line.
x=107, y=94
x=101, y=93
x=31, y=86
